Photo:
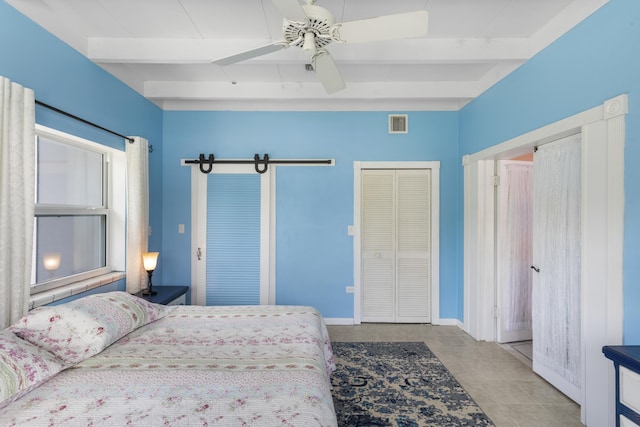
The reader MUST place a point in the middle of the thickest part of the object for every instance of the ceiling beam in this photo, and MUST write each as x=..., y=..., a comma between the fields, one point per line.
x=424, y=104
x=413, y=51
x=569, y=17
x=255, y=90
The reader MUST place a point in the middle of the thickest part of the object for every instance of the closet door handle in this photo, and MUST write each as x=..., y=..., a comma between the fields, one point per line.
x=536, y=269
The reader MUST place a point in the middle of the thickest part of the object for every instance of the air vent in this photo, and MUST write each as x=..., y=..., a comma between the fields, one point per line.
x=398, y=123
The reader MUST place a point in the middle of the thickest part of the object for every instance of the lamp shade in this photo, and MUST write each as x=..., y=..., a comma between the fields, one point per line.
x=149, y=260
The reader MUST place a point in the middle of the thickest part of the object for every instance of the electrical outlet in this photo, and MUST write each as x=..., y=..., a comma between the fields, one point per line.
x=349, y=289
x=181, y=228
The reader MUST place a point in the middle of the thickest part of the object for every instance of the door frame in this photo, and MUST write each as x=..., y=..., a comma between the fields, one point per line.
x=199, y=227
x=603, y=138
x=358, y=166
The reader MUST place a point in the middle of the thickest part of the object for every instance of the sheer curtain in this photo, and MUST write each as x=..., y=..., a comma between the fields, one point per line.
x=17, y=198
x=137, y=211
x=557, y=253
x=516, y=247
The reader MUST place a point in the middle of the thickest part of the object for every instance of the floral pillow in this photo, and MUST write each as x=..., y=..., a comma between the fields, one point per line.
x=23, y=367
x=79, y=329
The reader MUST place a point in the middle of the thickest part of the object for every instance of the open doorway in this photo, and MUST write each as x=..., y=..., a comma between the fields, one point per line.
x=514, y=250
x=515, y=256
x=603, y=132
x=538, y=262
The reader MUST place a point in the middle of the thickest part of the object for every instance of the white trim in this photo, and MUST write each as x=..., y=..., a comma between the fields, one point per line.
x=524, y=143
x=479, y=271
x=358, y=166
x=452, y=322
x=271, y=293
x=265, y=237
x=198, y=247
x=345, y=321
x=603, y=130
x=74, y=140
x=116, y=173
x=341, y=321
x=357, y=243
x=47, y=297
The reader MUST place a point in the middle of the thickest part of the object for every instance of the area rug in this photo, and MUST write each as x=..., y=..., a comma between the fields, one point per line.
x=400, y=384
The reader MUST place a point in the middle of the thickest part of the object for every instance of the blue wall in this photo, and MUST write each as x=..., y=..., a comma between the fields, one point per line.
x=595, y=61
x=314, y=205
x=63, y=78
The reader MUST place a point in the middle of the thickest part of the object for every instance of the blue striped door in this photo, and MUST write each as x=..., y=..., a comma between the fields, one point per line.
x=233, y=239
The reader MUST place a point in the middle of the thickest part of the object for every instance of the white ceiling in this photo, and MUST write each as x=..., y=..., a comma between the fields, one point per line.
x=163, y=49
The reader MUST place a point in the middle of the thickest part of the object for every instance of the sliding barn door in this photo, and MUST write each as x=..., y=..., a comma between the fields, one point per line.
x=231, y=239
x=396, y=245
x=557, y=301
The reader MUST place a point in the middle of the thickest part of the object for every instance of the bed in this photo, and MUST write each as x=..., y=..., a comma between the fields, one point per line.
x=114, y=359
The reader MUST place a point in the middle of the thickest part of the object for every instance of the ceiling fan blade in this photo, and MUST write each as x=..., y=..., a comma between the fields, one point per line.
x=389, y=27
x=291, y=9
x=253, y=53
x=327, y=72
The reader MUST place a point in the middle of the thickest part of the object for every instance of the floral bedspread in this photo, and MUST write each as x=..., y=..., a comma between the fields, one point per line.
x=199, y=366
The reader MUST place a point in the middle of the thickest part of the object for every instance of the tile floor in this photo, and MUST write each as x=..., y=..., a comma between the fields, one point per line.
x=497, y=377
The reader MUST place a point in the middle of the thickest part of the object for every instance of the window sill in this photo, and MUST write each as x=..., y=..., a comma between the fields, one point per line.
x=47, y=297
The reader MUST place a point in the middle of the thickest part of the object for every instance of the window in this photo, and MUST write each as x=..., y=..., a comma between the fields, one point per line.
x=79, y=210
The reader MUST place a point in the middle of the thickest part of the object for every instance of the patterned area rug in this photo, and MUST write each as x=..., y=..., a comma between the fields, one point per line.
x=401, y=384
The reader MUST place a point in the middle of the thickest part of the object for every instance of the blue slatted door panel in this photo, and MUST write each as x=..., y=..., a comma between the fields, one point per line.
x=233, y=239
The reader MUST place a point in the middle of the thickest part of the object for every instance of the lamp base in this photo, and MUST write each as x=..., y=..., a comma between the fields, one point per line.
x=149, y=289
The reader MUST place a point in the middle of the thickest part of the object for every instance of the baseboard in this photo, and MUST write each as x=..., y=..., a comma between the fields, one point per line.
x=343, y=321
x=346, y=321
x=451, y=322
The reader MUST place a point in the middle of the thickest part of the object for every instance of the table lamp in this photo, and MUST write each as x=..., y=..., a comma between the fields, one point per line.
x=149, y=260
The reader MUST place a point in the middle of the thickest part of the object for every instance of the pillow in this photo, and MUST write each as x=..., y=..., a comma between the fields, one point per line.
x=81, y=328
x=23, y=367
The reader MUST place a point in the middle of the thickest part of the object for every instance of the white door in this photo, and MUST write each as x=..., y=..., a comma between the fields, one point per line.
x=514, y=250
x=396, y=245
x=556, y=306
x=231, y=238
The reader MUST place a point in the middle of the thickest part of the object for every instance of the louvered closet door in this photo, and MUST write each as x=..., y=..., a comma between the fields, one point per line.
x=413, y=260
x=378, y=246
x=396, y=253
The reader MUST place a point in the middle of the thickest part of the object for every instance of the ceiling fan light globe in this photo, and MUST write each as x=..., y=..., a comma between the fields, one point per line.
x=309, y=45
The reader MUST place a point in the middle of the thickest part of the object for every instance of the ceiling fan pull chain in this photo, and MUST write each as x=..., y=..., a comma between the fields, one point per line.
x=257, y=162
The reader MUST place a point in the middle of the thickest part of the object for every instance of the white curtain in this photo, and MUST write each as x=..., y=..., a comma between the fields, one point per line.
x=516, y=245
x=556, y=287
x=17, y=198
x=137, y=211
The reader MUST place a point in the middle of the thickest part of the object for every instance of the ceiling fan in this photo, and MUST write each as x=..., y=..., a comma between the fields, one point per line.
x=312, y=28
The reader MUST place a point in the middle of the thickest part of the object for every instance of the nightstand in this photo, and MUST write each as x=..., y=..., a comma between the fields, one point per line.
x=626, y=360
x=167, y=295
